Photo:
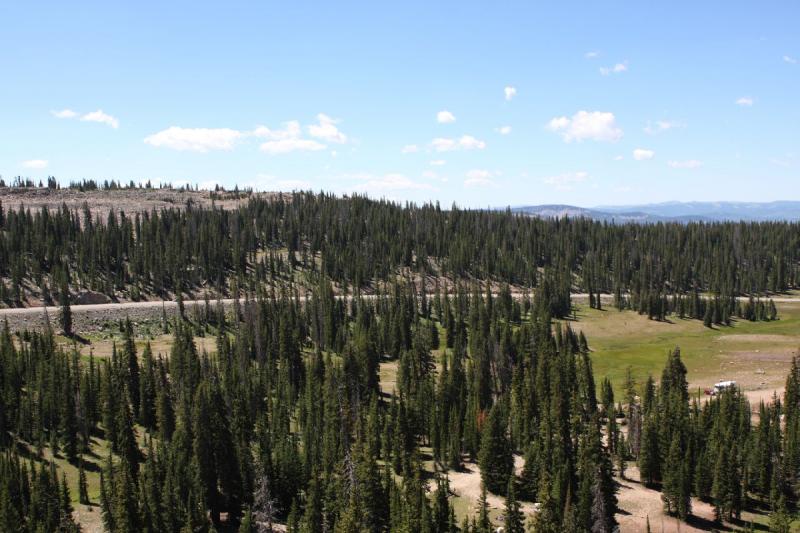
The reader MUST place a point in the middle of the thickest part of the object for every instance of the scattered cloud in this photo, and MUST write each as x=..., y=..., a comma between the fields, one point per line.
x=391, y=182
x=789, y=59
x=195, y=139
x=290, y=137
x=64, y=113
x=440, y=144
x=503, y=130
x=465, y=142
x=619, y=158
x=409, y=149
x=566, y=182
x=785, y=163
x=689, y=163
x=642, y=154
x=327, y=130
x=591, y=55
x=102, y=118
x=616, y=69
x=445, y=117
x=745, y=101
x=291, y=130
x=438, y=162
x=95, y=116
x=35, y=164
x=479, y=178
x=510, y=92
x=660, y=126
x=592, y=125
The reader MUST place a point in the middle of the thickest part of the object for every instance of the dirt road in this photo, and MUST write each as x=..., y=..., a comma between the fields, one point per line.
x=90, y=317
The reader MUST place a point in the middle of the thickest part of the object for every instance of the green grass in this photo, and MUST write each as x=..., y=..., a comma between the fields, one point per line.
x=755, y=353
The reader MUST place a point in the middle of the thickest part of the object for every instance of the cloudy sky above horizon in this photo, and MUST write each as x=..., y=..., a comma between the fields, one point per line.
x=477, y=103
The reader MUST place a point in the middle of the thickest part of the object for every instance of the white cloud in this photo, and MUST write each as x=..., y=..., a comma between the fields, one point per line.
x=284, y=146
x=780, y=162
x=195, y=139
x=689, y=163
x=36, y=164
x=102, y=118
x=445, y=117
x=510, y=92
x=440, y=144
x=410, y=149
x=642, y=154
x=790, y=60
x=291, y=130
x=616, y=69
x=64, y=113
x=593, y=125
x=591, y=55
x=619, y=158
x=479, y=178
x=327, y=130
x=660, y=126
x=745, y=101
x=567, y=181
x=438, y=162
x=391, y=182
x=503, y=130
x=289, y=138
x=466, y=142
x=95, y=116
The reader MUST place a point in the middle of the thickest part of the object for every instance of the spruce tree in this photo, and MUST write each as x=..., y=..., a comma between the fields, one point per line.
x=514, y=520
x=66, y=311
x=495, y=457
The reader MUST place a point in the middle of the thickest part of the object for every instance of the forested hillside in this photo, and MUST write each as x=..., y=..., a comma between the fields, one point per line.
x=357, y=242
x=374, y=352
x=289, y=422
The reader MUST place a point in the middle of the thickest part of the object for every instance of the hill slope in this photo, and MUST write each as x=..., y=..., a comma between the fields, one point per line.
x=672, y=211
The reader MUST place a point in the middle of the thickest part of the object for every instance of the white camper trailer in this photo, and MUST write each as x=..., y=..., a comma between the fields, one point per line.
x=721, y=386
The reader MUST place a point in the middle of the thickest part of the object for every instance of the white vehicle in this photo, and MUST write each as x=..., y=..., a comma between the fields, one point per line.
x=721, y=386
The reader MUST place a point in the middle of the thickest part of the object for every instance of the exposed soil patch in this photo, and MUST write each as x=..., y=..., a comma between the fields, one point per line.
x=638, y=503
x=91, y=298
x=467, y=484
x=758, y=338
x=101, y=202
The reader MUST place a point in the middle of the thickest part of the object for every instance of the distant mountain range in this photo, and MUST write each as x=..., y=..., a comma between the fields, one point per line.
x=671, y=211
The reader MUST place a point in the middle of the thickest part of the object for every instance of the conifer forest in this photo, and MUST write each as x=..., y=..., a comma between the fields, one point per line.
x=342, y=364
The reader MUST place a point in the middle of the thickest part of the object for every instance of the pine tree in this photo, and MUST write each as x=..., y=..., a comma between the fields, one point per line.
x=483, y=524
x=675, y=492
x=649, y=455
x=66, y=312
x=514, y=520
x=495, y=458
x=600, y=522
x=83, y=491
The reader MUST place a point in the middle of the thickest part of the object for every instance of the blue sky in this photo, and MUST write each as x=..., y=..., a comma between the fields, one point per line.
x=478, y=103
